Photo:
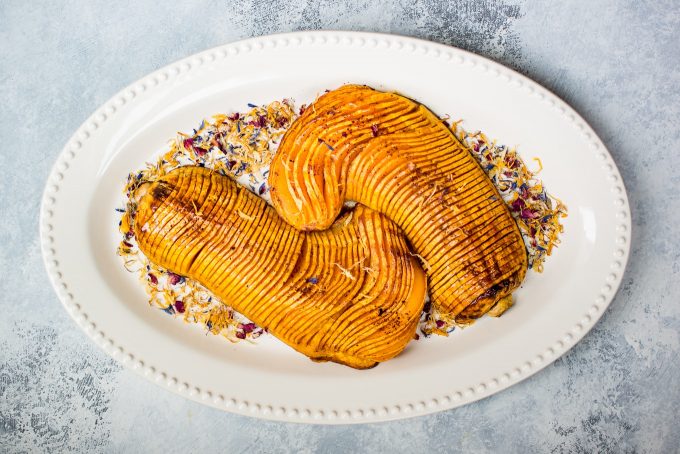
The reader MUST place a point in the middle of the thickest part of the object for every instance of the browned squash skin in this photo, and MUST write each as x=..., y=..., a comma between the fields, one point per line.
x=352, y=294
x=394, y=156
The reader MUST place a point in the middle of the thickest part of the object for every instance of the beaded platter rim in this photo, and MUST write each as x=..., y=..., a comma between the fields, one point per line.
x=135, y=91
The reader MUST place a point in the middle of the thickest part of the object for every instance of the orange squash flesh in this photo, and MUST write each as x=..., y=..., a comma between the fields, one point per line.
x=394, y=156
x=352, y=294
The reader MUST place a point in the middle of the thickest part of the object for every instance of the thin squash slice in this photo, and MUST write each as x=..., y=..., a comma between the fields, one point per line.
x=352, y=294
x=393, y=155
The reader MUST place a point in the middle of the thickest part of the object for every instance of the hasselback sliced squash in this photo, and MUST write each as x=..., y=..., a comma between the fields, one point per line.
x=393, y=155
x=352, y=294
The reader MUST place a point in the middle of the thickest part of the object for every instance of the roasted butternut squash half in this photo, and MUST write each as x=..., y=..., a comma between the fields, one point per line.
x=352, y=294
x=393, y=155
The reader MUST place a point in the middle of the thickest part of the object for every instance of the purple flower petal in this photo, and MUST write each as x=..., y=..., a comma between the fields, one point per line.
x=248, y=327
x=518, y=204
x=528, y=214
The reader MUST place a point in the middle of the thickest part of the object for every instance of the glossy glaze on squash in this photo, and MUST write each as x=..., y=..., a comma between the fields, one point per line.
x=396, y=157
x=351, y=294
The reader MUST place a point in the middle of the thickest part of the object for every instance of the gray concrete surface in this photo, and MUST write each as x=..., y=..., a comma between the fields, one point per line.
x=617, y=62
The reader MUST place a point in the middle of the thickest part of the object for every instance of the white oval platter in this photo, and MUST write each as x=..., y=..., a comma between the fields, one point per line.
x=554, y=310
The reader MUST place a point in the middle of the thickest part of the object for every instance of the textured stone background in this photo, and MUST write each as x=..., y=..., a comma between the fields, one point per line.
x=617, y=62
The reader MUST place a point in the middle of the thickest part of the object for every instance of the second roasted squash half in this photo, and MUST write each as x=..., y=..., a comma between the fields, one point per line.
x=393, y=155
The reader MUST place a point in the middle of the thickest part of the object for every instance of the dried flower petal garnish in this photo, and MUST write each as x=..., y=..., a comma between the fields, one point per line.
x=536, y=212
x=242, y=145
x=238, y=145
